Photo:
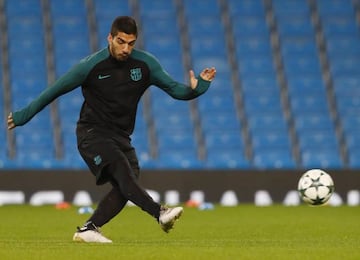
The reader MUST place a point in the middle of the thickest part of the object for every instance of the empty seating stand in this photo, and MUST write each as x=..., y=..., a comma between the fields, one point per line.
x=255, y=122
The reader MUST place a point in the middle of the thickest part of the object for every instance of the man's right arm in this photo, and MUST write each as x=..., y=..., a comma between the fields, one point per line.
x=71, y=80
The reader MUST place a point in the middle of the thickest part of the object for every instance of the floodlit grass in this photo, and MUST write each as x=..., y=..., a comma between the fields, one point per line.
x=243, y=232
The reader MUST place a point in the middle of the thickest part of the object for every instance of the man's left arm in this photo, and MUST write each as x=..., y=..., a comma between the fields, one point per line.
x=198, y=85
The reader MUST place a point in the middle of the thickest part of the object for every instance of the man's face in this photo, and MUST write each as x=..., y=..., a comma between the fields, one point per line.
x=121, y=45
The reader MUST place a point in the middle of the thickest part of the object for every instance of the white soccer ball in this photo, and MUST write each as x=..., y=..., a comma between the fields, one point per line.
x=315, y=187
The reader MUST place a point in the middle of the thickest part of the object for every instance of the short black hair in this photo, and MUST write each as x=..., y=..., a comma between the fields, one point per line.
x=124, y=24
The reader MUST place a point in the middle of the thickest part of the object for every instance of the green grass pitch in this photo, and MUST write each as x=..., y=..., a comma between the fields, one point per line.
x=242, y=232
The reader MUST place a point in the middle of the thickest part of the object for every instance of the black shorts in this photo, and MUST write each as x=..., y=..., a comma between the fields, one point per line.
x=99, y=148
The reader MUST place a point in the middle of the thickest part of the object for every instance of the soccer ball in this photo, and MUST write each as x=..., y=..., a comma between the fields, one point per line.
x=315, y=187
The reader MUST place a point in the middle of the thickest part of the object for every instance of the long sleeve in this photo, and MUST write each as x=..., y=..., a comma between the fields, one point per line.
x=64, y=84
x=175, y=89
x=160, y=78
x=68, y=82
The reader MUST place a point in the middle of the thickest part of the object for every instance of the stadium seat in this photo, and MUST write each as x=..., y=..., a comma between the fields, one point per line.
x=23, y=7
x=263, y=105
x=226, y=158
x=246, y=7
x=186, y=158
x=290, y=8
x=310, y=85
x=318, y=140
x=253, y=45
x=321, y=158
x=269, y=140
x=354, y=161
x=267, y=122
x=217, y=121
x=181, y=140
x=104, y=15
x=273, y=159
x=313, y=122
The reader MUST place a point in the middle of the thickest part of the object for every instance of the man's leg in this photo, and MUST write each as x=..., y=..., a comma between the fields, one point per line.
x=114, y=201
x=136, y=194
x=129, y=187
x=108, y=207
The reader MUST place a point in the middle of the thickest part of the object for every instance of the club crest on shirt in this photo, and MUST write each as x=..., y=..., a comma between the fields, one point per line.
x=135, y=74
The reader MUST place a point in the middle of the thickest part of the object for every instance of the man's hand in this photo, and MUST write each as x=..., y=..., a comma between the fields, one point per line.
x=10, y=122
x=207, y=74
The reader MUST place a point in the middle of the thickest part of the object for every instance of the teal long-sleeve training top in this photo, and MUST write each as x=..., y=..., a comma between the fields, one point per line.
x=111, y=89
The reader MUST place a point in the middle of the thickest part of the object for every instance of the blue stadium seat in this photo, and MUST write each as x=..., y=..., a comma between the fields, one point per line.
x=301, y=64
x=179, y=159
x=318, y=140
x=164, y=26
x=351, y=122
x=164, y=43
x=73, y=160
x=23, y=7
x=310, y=85
x=71, y=31
x=304, y=105
x=207, y=45
x=266, y=84
x=298, y=46
x=352, y=141
x=204, y=24
x=220, y=122
x=263, y=105
x=173, y=122
x=290, y=8
x=256, y=64
x=274, y=159
x=105, y=13
x=270, y=140
x=354, y=161
x=226, y=158
x=321, y=158
x=246, y=7
x=267, y=122
x=180, y=140
x=221, y=103
x=71, y=8
x=249, y=26
x=347, y=44
x=201, y=7
x=253, y=45
x=311, y=122
x=348, y=106
x=295, y=25
x=224, y=140
x=346, y=85
x=3, y=137
x=334, y=7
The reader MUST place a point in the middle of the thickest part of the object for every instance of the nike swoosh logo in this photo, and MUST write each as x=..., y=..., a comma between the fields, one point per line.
x=104, y=76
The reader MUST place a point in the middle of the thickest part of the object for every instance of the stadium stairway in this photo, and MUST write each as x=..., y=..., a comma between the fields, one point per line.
x=258, y=86
x=219, y=110
x=26, y=77
x=311, y=113
x=339, y=25
x=4, y=101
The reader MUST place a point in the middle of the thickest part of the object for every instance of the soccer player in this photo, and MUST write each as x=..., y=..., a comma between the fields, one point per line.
x=113, y=81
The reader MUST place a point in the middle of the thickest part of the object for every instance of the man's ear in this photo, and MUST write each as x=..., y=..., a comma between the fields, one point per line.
x=109, y=38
